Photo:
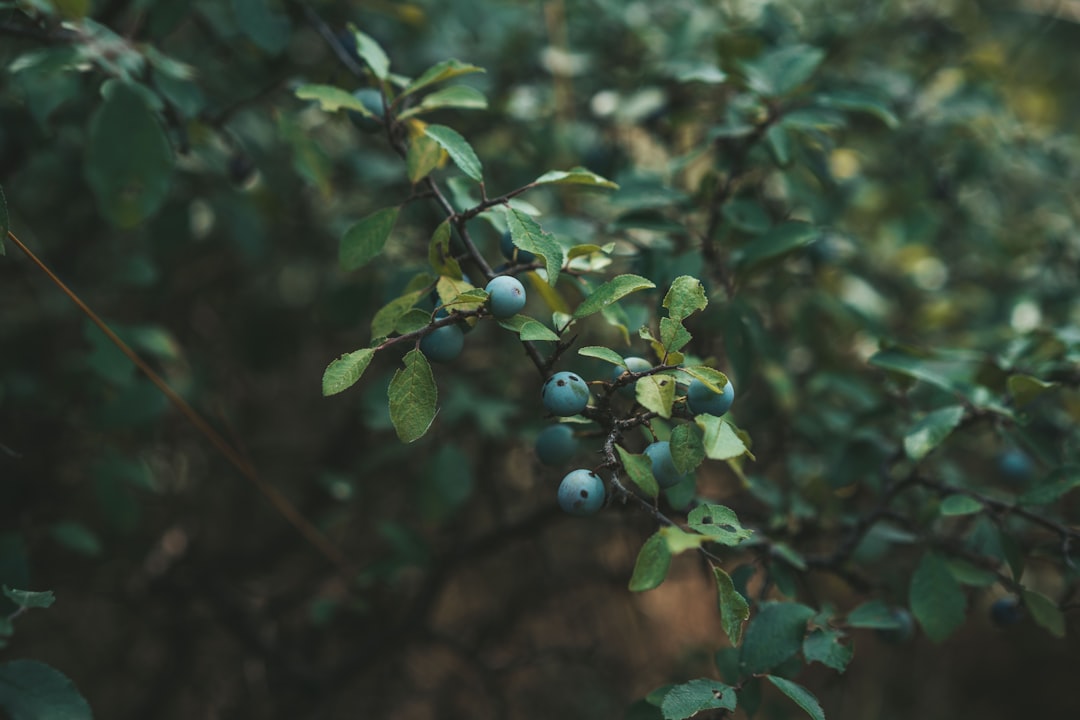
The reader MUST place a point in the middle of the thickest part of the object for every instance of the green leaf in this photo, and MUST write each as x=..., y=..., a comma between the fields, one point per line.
x=28, y=598
x=1025, y=388
x=386, y=318
x=773, y=636
x=31, y=690
x=935, y=598
x=456, y=96
x=678, y=541
x=76, y=537
x=720, y=523
x=720, y=440
x=574, y=176
x=713, y=379
x=652, y=564
x=527, y=234
x=268, y=29
x=656, y=393
x=639, y=470
x=423, y=156
x=413, y=320
x=345, y=371
x=685, y=297
x=371, y=53
x=686, y=700
x=1045, y=612
x=779, y=143
x=875, y=615
x=734, y=610
x=129, y=161
x=800, y=695
x=782, y=240
x=413, y=397
x=778, y=72
x=332, y=99
x=687, y=448
x=855, y=101
x=366, y=239
x=673, y=336
x=823, y=645
x=931, y=431
x=4, y=222
x=439, y=255
x=1049, y=489
x=613, y=290
x=959, y=504
x=603, y=353
x=459, y=150
x=445, y=70
x=528, y=328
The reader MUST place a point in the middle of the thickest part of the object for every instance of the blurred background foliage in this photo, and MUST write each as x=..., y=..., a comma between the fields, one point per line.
x=153, y=153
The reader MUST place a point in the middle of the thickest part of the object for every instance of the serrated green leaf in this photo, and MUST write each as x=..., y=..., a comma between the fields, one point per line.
x=366, y=238
x=462, y=97
x=639, y=469
x=688, y=699
x=527, y=234
x=345, y=371
x=332, y=99
x=720, y=440
x=712, y=379
x=773, y=636
x=775, y=244
x=959, y=504
x=1045, y=612
x=1025, y=388
x=459, y=150
x=931, y=431
x=799, y=695
x=31, y=690
x=439, y=255
x=613, y=290
x=413, y=397
x=574, y=176
x=656, y=393
x=423, y=156
x=720, y=523
x=529, y=329
x=652, y=564
x=29, y=598
x=823, y=645
x=777, y=72
x=413, y=320
x=673, y=336
x=874, y=615
x=371, y=53
x=687, y=448
x=685, y=297
x=734, y=610
x=603, y=353
x=935, y=598
x=445, y=70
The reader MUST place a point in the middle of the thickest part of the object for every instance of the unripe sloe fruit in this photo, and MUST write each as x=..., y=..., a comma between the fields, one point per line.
x=372, y=100
x=633, y=364
x=581, y=492
x=1015, y=465
x=565, y=394
x=443, y=344
x=1006, y=611
x=663, y=467
x=701, y=400
x=512, y=252
x=556, y=444
x=506, y=296
x=905, y=630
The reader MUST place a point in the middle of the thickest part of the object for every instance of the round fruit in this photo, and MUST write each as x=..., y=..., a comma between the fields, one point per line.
x=565, y=394
x=512, y=252
x=506, y=296
x=556, y=444
x=663, y=467
x=1006, y=611
x=581, y=492
x=904, y=631
x=633, y=364
x=372, y=100
x=443, y=344
x=701, y=400
x=1015, y=465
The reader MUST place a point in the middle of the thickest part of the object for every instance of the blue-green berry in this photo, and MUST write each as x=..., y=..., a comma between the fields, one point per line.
x=506, y=296
x=581, y=492
x=701, y=400
x=512, y=252
x=443, y=344
x=663, y=467
x=1006, y=611
x=556, y=444
x=565, y=394
x=1015, y=465
x=633, y=364
x=904, y=629
x=372, y=100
